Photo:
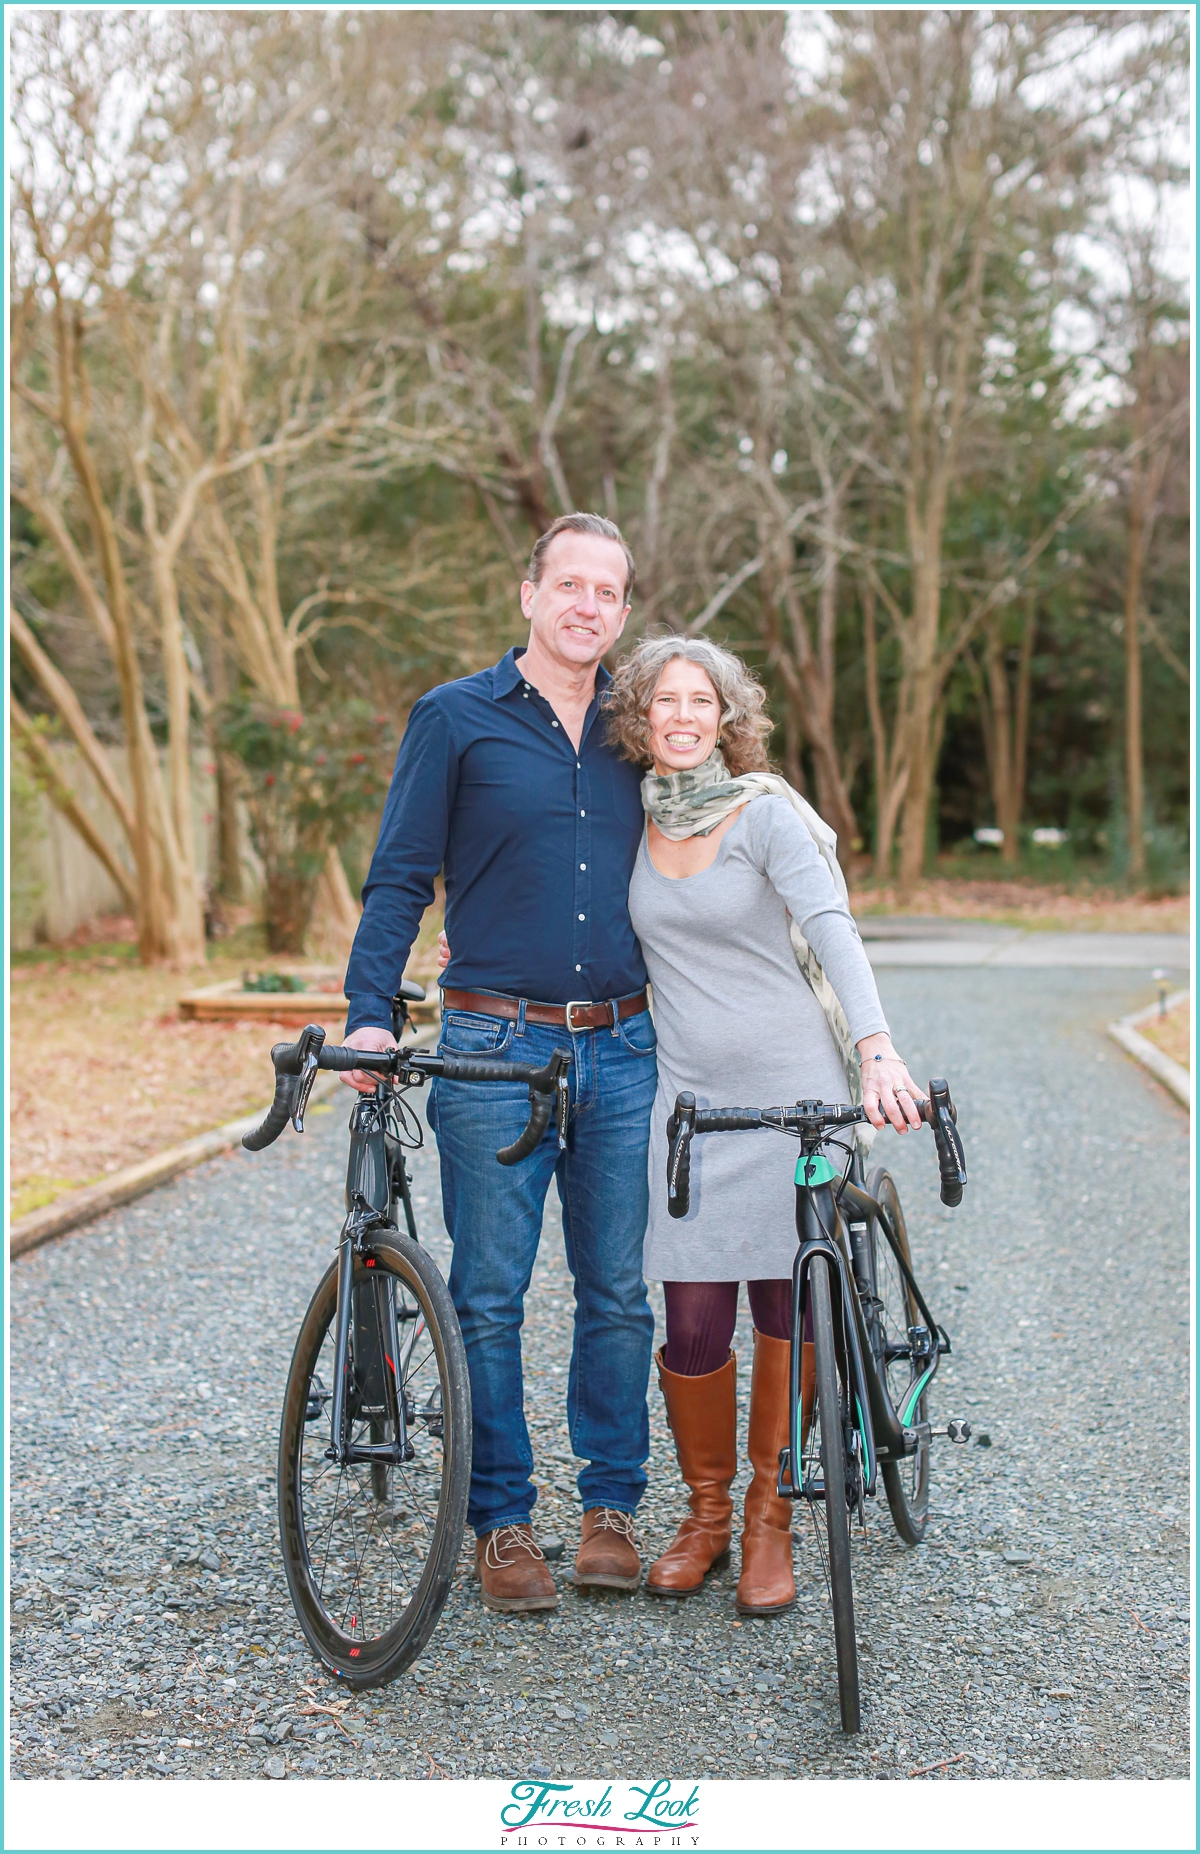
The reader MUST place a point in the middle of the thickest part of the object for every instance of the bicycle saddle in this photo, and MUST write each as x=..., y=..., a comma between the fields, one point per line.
x=411, y=992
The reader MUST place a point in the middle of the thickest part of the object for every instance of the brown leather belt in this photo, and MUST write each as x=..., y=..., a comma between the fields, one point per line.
x=578, y=1015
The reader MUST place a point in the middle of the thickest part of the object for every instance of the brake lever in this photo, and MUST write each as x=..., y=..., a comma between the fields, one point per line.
x=311, y=1041
x=562, y=1107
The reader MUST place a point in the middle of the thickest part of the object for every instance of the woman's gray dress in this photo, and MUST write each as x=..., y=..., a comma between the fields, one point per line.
x=738, y=1025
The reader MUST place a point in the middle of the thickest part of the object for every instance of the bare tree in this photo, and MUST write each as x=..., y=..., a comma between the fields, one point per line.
x=191, y=335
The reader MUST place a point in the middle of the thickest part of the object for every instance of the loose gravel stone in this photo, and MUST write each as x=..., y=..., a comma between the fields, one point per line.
x=1042, y=1631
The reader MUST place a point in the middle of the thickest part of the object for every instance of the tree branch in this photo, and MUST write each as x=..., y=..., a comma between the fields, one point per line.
x=69, y=707
x=49, y=776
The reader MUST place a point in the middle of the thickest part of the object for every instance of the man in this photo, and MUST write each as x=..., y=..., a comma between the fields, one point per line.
x=505, y=779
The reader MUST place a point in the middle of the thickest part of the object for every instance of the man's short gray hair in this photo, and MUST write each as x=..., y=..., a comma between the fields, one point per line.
x=582, y=524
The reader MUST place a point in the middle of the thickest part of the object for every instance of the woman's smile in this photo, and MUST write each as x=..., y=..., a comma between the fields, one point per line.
x=684, y=717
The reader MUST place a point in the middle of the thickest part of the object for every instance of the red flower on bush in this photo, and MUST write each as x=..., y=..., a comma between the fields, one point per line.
x=358, y=759
x=270, y=778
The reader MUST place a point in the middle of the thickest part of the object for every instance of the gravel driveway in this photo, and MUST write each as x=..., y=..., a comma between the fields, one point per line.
x=1041, y=1631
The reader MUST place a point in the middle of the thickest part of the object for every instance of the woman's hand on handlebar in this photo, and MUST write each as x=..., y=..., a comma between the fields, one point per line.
x=890, y=1094
x=369, y=1037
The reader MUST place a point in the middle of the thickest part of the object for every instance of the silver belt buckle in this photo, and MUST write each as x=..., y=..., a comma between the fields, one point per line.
x=577, y=1004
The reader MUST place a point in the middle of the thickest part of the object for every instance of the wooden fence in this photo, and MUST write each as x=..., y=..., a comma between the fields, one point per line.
x=56, y=885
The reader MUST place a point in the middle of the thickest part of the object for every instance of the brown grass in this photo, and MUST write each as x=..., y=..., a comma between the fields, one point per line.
x=104, y=1072
x=1172, y=1033
x=1029, y=904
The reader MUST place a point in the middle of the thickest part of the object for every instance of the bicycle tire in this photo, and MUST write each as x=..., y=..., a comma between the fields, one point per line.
x=905, y=1483
x=368, y=1595
x=826, y=1443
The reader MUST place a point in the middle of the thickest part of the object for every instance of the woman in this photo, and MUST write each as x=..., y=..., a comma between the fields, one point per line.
x=735, y=881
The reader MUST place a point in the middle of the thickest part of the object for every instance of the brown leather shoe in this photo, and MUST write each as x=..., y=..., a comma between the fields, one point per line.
x=512, y=1571
x=702, y=1413
x=607, y=1556
x=767, y=1584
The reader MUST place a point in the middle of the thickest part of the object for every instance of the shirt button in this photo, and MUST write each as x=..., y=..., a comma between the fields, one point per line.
x=583, y=865
x=526, y=696
x=554, y=724
x=583, y=917
x=579, y=968
x=583, y=814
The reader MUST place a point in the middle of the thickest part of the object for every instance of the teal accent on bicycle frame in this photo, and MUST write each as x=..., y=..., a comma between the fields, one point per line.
x=814, y=1169
x=915, y=1399
x=862, y=1430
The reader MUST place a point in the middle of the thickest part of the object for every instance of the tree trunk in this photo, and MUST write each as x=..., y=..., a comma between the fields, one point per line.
x=920, y=716
x=288, y=901
x=999, y=734
x=1007, y=728
x=1020, y=752
x=229, y=883
x=1135, y=801
x=793, y=740
x=336, y=899
x=919, y=728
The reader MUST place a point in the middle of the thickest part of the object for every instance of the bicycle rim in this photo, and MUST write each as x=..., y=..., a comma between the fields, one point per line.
x=906, y=1482
x=368, y=1575
x=824, y=1466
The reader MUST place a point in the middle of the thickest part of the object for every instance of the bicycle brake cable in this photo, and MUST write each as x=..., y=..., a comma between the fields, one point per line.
x=406, y=1128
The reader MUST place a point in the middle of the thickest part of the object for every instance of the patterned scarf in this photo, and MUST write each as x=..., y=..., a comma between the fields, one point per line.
x=693, y=803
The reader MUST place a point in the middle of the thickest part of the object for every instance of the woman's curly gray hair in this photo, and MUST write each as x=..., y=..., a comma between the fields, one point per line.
x=744, y=726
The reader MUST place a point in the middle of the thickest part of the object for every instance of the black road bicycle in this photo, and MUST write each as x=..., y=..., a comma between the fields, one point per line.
x=375, y=1442
x=876, y=1344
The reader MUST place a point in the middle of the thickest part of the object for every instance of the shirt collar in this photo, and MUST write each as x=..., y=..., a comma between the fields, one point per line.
x=506, y=676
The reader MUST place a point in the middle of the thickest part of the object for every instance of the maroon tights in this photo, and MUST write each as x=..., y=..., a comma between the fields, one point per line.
x=701, y=1316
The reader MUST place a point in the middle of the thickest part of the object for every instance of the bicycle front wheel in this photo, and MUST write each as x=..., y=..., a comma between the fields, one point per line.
x=825, y=1472
x=906, y=1483
x=369, y=1575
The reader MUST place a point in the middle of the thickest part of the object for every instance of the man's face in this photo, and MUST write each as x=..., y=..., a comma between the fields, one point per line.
x=577, y=611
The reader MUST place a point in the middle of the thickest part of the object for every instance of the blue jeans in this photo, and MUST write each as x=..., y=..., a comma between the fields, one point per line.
x=494, y=1216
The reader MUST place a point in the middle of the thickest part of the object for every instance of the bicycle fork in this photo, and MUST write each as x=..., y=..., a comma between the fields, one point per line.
x=816, y=1215
x=373, y=1300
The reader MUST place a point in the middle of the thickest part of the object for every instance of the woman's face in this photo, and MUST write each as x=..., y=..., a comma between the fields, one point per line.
x=684, y=717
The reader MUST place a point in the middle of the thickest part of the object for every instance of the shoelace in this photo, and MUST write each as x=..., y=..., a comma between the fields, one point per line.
x=509, y=1539
x=611, y=1519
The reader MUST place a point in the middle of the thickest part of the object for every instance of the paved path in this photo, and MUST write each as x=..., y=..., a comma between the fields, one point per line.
x=893, y=941
x=1042, y=1631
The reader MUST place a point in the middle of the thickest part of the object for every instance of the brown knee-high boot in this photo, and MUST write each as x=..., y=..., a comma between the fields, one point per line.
x=702, y=1413
x=767, y=1583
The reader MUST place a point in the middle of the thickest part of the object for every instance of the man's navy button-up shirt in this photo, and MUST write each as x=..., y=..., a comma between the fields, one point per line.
x=537, y=843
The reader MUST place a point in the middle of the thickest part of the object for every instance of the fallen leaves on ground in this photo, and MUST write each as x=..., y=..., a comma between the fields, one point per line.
x=1025, y=903
x=1172, y=1033
x=104, y=1072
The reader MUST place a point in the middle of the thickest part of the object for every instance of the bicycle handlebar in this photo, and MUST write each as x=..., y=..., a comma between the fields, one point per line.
x=812, y=1118
x=296, y=1065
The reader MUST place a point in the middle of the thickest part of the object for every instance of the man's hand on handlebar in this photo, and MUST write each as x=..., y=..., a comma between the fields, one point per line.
x=890, y=1094
x=369, y=1037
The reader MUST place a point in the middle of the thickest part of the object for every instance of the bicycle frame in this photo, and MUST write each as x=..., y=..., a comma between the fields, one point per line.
x=375, y=1178
x=878, y=1428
